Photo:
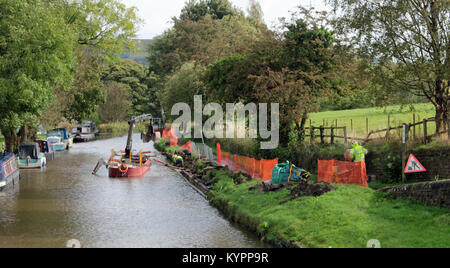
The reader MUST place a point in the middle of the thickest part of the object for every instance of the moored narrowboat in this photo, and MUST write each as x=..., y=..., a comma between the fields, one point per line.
x=9, y=173
x=85, y=132
x=55, y=141
x=66, y=137
x=30, y=156
x=46, y=148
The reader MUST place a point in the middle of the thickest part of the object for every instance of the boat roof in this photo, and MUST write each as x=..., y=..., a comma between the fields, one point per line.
x=30, y=149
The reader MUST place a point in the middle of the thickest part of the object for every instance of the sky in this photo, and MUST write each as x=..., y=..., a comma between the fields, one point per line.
x=157, y=14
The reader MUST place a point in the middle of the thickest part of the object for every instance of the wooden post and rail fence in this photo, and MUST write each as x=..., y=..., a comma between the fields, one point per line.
x=331, y=132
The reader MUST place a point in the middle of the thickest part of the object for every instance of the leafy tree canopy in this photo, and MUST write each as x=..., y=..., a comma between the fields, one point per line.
x=36, y=54
x=408, y=39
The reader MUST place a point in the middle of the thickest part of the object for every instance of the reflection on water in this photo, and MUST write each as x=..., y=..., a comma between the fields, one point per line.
x=66, y=202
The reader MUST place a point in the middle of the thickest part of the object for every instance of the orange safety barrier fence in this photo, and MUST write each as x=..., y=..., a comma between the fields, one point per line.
x=339, y=172
x=171, y=136
x=187, y=146
x=258, y=169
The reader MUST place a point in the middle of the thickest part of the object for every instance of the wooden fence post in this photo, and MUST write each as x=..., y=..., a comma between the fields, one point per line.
x=367, y=126
x=351, y=126
x=414, y=127
x=332, y=135
x=425, y=131
x=388, y=133
x=311, y=129
x=322, y=138
x=404, y=149
x=346, y=137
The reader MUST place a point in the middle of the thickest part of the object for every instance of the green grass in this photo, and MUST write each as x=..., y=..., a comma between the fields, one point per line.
x=120, y=128
x=378, y=118
x=347, y=217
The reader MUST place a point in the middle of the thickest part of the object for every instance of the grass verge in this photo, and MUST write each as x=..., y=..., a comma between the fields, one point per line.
x=346, y=218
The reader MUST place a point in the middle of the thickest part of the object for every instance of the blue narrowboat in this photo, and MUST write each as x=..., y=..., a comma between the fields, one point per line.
x=55, y=139
x=9, y=173
x=66, y=137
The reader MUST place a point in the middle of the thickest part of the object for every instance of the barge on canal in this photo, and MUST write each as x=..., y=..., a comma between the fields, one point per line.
x=9, y=173
x=30, y=156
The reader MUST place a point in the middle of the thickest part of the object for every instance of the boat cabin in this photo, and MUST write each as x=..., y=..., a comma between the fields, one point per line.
x=9, y=173
x=30, y=156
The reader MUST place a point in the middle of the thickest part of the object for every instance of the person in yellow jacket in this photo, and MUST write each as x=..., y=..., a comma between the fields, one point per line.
x=358, y=154
x=179, y=162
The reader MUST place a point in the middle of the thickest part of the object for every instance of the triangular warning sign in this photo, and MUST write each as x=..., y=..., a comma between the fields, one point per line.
x=414, y=166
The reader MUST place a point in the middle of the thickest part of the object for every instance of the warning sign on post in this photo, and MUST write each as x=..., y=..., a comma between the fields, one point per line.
x=414, y=166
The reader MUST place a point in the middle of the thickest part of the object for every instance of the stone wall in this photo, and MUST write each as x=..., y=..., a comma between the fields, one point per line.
x=433, y=193
x=436, y=161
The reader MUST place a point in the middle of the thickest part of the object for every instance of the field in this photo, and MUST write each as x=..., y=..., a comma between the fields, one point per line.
x=378, y=118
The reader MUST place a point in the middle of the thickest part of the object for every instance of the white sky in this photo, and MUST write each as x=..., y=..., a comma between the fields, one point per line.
x=157, y=14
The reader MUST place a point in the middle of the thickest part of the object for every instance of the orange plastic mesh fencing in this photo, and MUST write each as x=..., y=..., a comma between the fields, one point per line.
x=338, y=172
x=171, y=136
x=219, y=154
x=258, y=169
x=187, y=146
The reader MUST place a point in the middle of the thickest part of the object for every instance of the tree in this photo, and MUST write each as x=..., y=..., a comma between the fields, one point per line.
x=195, y=10
x=255, y=12
x=103, y=29
x=136, y=79
x=117, y=105
x=36, y=55
x=409, y=38
x=87, y=91
x=182, y=86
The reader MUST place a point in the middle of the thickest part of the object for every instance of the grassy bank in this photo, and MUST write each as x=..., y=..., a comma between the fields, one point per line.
x=378, y=117
x=347, y=217
x=119, y=129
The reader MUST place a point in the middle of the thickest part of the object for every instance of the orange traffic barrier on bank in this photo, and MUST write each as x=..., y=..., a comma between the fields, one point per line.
x=339, y=172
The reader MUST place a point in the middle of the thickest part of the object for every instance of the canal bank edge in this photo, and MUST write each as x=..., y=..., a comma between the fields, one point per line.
x=348, y=217
x=197, y=171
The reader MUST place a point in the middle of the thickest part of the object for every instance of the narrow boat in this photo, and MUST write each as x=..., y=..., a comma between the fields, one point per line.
x=66, y=137
x=30, y=156
x=46, y=148
x=85, y=132
x=9, y=173
x=55, y=141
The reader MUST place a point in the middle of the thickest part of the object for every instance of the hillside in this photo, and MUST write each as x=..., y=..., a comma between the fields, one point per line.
x=141, y=55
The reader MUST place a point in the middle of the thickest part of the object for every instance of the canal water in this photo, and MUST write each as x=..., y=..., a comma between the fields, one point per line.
x=65, y=202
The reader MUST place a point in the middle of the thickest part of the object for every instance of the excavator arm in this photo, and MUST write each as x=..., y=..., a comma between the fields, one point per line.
x=132, y=123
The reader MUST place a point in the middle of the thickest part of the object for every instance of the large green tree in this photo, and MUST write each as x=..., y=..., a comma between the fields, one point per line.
x=136, y=79
x=36, y=55
x=409, y=38
x=103, y=29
